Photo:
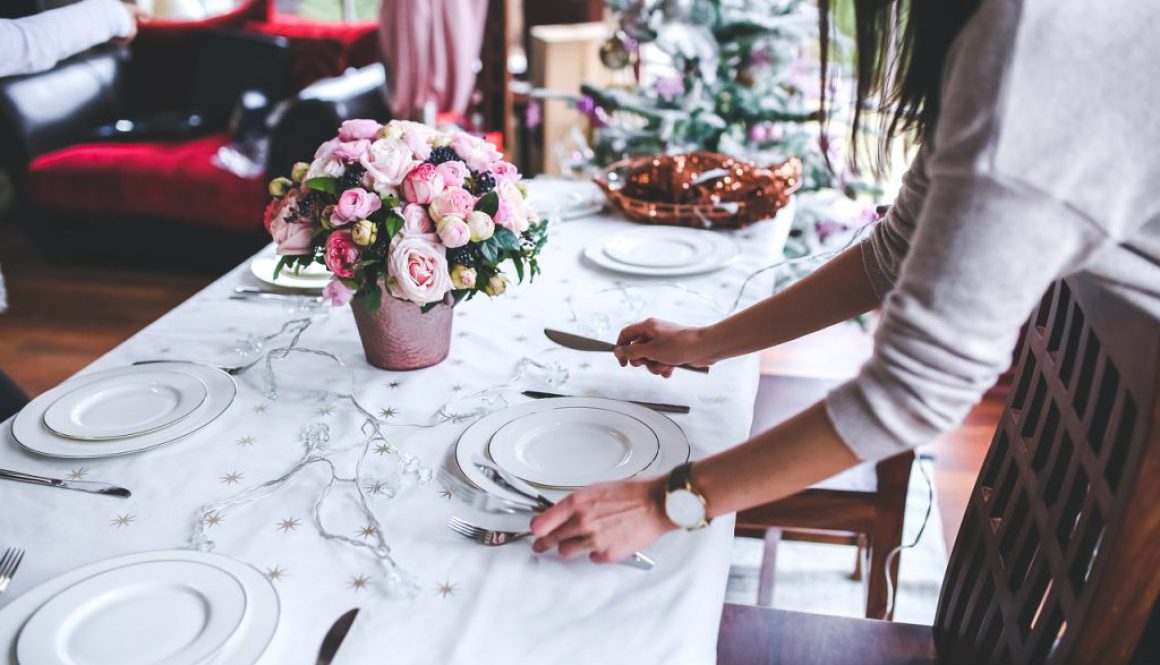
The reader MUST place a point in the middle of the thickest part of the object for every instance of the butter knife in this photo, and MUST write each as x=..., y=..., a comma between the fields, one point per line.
x=334, y=637
x=655, y=406
x=90, y=486
x=581, y=343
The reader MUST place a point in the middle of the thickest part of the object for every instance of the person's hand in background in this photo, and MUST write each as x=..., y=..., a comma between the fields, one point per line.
x=137, y=16
x=661, y=346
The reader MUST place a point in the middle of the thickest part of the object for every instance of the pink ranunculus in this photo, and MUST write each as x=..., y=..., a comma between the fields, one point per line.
x=353, y=205
x=418, y=269
x=422, y=184
x=336, y=293
x=387, y=162
x=453, y=231
x=504, y=171
x=359, y=128
x=452, y=201
x=341, y=254
x=416, y=221
x=478, y=154
x=352, y=151
x=325, y=164
x=454, y=173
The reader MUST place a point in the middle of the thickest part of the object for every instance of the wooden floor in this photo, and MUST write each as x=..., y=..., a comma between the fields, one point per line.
x=63, y=317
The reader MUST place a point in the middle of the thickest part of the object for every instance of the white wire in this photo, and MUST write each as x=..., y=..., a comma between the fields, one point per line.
x=890, y=590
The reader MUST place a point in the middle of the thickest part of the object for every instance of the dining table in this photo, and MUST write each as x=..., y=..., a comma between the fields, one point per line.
x=456, y=602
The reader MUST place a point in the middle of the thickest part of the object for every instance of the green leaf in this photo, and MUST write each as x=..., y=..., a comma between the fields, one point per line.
x=505, y=239
x=283, y=261
x=372, y=298
x=490, y=250
x=519, y=263
x=323, y=184
x=488, y=203
x=394, y=225
x=430, y=306
x=459, y=294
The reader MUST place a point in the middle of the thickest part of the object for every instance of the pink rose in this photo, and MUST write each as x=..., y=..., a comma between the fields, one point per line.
x=292, y=234
x=452, y=201
x=514, y=212
x=352, y=151
x=416, y=221
x=353, y=130
x=418, y=269
x=478, y=154
x=336, y=293
x=454, y=173
x=422, y=184
x=453, y=231
x=505, y=171
x=325, y=164
x=353, y=205
x=387, y=162
x=481, y=225
x=341, y=254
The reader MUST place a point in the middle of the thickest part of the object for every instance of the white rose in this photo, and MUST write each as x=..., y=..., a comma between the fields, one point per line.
x=387, y=162
x=521, y=213
x=418, y=269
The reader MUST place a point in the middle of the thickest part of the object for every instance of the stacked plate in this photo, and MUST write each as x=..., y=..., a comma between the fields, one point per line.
x=663, y=251
x=564, y=443
x=311, y=278
x=176, y=607
x=124, y=410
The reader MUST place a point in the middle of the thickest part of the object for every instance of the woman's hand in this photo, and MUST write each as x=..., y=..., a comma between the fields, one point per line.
x=609, y=521
x=661, y=346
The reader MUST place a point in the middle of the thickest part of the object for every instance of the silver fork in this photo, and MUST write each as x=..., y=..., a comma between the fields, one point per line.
x=8, y=565
x=485, y=536
x=232, y=371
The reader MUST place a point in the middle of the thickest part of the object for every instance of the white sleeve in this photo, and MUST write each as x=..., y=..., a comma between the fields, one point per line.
x=36, y=43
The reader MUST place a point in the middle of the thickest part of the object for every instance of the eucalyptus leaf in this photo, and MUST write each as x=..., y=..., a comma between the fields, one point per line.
x=323, y=184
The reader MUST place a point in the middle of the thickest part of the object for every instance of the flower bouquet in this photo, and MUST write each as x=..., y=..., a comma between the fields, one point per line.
x=424, y=217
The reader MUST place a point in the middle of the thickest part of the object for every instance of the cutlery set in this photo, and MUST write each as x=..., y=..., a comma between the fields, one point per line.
x=581, y=343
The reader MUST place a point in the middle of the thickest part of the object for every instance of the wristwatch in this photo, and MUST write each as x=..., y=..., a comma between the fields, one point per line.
x=684, y=505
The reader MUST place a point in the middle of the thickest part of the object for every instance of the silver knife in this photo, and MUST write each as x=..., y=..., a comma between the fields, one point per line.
x=90, y=486
x=655, y=406
x=274, y=296
x=334, y=637
x=581, y=343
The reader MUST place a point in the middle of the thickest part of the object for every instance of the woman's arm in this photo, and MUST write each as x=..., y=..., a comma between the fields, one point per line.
x=36, y=43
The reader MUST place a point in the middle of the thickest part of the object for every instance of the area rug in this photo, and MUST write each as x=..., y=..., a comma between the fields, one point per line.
x=813, y=577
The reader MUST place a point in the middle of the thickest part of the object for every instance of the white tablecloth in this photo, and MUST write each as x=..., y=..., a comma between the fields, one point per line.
x=475, y=604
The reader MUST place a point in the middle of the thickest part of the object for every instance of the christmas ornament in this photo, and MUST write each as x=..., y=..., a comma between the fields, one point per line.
x=614, y=53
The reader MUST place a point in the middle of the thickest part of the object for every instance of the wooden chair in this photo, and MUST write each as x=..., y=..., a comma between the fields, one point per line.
x=863, y=507
x=1056, y=560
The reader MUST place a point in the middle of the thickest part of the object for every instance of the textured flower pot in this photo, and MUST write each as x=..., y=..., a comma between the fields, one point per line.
x=399, y=336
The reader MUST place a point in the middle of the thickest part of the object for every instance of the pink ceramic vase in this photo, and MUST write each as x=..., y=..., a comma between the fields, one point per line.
x=399, y=336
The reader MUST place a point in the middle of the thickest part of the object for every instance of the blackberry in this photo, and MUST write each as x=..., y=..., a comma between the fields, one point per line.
x=443, y=153
x=468, y=255
x=382, y=245
x=482, y=183
x=351, y=178
x=311, y=205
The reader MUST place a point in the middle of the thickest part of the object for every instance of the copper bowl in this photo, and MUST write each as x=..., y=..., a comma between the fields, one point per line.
x=701, y=189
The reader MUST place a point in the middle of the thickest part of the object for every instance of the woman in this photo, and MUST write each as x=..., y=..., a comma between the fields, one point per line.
x=1037, y=160
x=36, y=43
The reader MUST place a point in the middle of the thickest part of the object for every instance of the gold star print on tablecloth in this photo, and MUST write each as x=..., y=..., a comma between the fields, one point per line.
x=246, y=441
x=384, y=449
x=367, y=531
x=214, y=519
x=377, y=487
x=77, y=473
x=122, y=520
x=445, y=493
x=387, y=413
x=521, y=338
x=232, y=478
x=360, y=582
x=288, y=524
x=325, y=410
x=276, y=573
x=260, y=408
x=585, y=365
x=446, y=589
x=457, y=388
x=394, y=384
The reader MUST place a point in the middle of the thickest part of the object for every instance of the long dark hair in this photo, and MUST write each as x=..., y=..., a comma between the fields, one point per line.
x=900, y=49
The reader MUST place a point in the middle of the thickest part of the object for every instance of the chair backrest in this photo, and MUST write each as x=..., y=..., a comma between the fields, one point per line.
x=1057, y=560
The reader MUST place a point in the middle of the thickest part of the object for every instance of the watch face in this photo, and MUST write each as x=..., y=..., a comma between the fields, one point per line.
x=685, y=509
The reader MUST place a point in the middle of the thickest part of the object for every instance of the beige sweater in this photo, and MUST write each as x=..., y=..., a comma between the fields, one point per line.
x=1045, y=163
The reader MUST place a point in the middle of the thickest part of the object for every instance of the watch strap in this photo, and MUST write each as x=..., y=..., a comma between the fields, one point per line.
x=681, y=478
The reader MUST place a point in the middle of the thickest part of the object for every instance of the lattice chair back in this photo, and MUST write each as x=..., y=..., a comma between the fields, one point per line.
x=1058, y=557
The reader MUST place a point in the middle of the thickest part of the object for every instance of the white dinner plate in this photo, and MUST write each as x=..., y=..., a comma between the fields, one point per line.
x=662, y=247
x=314, y=276
x=155, y=613
x=563, y=199
x=29, y=430
x=244, y=648
x=572, y=447
x=472, y=444
x=663, y=251
x=125, y=405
